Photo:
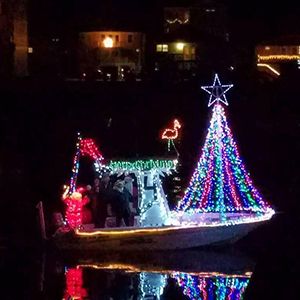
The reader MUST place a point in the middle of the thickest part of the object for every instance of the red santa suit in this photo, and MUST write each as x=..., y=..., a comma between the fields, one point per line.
x=74, y=209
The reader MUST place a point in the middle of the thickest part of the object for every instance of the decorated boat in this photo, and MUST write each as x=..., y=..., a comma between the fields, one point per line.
x=221, y=204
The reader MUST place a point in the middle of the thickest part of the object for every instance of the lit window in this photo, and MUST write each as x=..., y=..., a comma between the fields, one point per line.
x=162, y=48
x=30, y=50
x=267, y=48
x=179, y=46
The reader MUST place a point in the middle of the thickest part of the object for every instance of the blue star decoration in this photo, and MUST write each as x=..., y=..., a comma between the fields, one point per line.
x=217, y=91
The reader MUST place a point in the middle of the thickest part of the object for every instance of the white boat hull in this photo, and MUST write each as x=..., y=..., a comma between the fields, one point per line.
x=145, y=239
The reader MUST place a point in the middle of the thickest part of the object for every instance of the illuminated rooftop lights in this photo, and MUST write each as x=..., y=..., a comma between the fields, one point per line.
x=277, y=57
x=179, y=46
x=178, y=21
x=269, y=67
x=108, y=42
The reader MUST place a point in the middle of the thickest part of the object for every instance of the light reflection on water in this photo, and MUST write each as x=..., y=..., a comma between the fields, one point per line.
x=123, y=281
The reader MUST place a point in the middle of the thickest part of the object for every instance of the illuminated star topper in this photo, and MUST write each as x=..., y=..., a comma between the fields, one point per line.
x=217, y=91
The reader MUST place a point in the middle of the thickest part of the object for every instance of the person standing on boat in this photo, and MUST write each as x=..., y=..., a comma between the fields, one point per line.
x=132, y=190
x=87, y=216
x=94, y=197
x=103, y=198
x=120, y=199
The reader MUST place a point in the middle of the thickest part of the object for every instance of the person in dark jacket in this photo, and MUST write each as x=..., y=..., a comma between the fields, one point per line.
x=103, y=198
x=120, y=198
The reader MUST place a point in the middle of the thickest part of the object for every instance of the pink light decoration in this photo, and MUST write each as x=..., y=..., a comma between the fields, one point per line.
x=171, y=133
x=89, y=148
x=74, y=210
x=74, y=283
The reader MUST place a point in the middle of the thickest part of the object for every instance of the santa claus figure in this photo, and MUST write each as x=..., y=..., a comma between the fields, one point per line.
x=75, y=203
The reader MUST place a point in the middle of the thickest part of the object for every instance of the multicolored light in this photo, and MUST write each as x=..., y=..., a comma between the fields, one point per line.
x=151, y=193
x=212, y=287
x=75, y=168
x=220, y=182
x=72, y=196
x=85, y=147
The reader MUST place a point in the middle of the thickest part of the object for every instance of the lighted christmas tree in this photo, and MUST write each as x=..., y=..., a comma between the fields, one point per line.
x=220, y=182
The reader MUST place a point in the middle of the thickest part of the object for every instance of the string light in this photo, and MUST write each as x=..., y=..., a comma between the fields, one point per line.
x=153, y=206
x=220, y=183
x=272, y=69
x=89, y=148
x=164, y=165
x=171, y=134
x=74, y=284
x=148, y=174
x=176, y=20
x=132, y=268
x=277, y=57
x=71, y=195
x=243, y=219
x=195, y=285
x=217, y=91
x=75, y=203
x=152, y=285
x=212, y=287
x=75, y=168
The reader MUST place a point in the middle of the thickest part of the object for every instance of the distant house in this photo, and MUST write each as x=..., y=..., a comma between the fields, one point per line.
x=112, y=54
x=195, y=36
x=13, y=38
x=274, y=56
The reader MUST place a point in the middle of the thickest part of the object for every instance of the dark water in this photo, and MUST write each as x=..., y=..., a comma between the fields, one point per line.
x=188, y=274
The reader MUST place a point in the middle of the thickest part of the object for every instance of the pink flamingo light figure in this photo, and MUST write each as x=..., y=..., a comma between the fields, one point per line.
x=171, y=134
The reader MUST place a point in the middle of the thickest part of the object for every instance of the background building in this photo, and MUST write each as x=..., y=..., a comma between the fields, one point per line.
x=195, y=38
x=279, y=55
x=13, y=38
x=111, y=55
x=206, y=16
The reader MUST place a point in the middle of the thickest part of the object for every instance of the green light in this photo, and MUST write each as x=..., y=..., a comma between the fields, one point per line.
x=143, y=165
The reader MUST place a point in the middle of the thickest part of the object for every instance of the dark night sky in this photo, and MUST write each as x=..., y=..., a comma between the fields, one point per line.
x=252, y=20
